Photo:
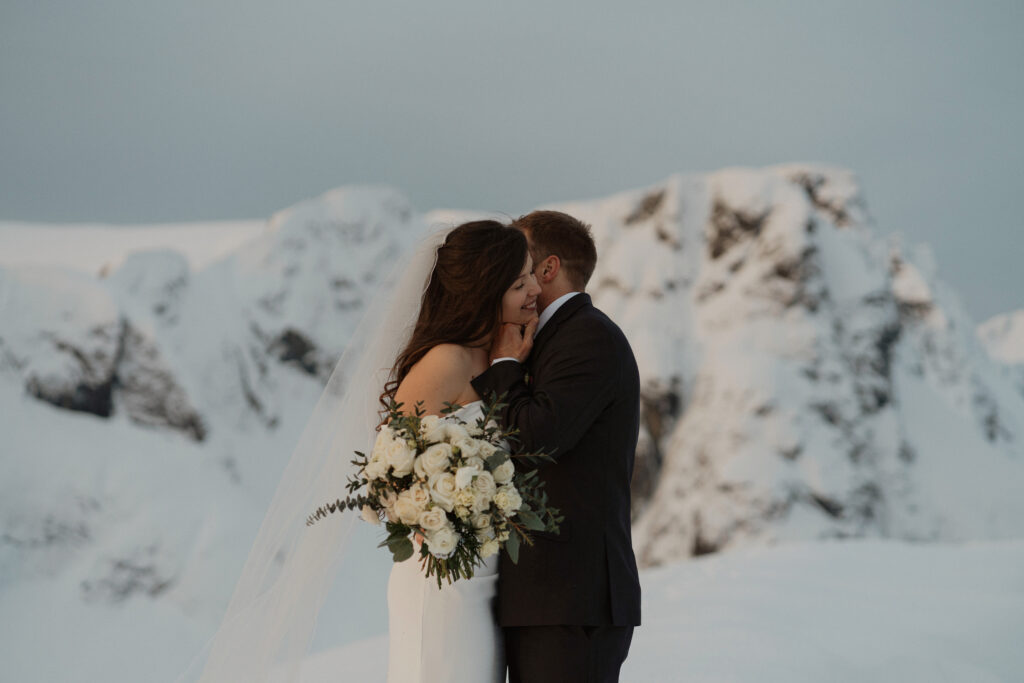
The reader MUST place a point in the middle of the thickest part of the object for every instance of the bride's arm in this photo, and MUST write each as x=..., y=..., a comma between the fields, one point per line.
x=440, y=376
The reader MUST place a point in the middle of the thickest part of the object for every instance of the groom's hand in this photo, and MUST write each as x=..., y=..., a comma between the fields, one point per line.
x=514, y=341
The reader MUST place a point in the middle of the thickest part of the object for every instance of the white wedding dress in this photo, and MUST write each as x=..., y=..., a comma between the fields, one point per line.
x=446, y=635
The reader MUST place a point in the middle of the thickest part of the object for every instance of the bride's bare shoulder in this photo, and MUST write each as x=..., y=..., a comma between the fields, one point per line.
x=438, y=377
x=445, y=358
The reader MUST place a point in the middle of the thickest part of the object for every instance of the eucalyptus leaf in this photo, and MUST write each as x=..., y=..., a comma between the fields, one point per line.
x=512, y=546
x=497, y=460
x=531, y=520
x=401, y=549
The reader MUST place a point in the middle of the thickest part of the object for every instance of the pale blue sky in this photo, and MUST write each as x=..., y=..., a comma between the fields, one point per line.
x=132, y=111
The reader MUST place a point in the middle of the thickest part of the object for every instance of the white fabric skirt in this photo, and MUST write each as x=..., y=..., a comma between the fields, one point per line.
x=446, y=635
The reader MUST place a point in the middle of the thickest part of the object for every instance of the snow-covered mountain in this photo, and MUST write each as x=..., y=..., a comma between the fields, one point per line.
x=804, y=378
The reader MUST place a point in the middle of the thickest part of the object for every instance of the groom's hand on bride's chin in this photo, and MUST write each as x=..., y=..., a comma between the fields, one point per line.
x=514, y=341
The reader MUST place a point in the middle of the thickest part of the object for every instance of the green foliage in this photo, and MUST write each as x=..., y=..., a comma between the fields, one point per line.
x=534, y=514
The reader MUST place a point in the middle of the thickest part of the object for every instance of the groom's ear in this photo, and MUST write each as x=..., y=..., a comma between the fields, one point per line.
x=549, y=268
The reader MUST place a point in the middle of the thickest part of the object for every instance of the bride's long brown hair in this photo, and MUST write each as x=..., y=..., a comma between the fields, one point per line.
x=476, y=265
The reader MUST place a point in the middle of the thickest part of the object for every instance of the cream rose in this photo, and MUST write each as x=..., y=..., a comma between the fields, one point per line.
x=481, y=521
x=377, y=467
x=468, y=447
x=489, y=548
x=462, y=512
x=420, y=495
x=465, y=497
x=486, y=450
x=481, y=501
x=456, y=432
x=400, y=457
x=484, y=483
x=508, y=499
x=504, y=472
x=434, y=460
x=388, y=500
x=432, y=428
x=474, y=462
x=432, y=519
x=442, y=490
x=407, y=509
x=442, y=543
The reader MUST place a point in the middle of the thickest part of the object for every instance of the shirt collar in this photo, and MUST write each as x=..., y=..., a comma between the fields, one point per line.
x=552, y=308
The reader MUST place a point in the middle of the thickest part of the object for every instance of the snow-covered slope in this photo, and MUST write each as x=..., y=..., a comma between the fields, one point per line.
x=805, y=613
x=803, y=379
x=1003, y=336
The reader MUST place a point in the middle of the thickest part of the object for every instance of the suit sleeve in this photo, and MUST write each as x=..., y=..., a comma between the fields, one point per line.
x=571, y=389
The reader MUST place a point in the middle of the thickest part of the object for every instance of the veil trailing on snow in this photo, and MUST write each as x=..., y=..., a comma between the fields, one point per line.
x=269, y=623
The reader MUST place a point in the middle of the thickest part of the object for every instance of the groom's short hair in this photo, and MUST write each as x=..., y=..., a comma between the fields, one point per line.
x=568, y=238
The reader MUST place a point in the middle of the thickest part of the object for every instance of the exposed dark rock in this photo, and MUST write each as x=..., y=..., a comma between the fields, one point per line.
x=86, y=381
x=293, y=347
x=701, y=545
x=149, y=391
x=812, y=183
x=647, y=208
x=729, y=226
x=660, y=407
x=831, y=507
x=127, y=577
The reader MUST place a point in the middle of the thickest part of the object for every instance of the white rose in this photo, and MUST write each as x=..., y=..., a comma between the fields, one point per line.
x=370, y=515
x=508, y=499
x=468, y=448
x=400, y=457
x=432, y=428
x=489, y=548
x=464, y=476
x=442, y=490
x=474, y=430
x=462, y=512
x=432, y=519
x=481, y=521
x=377, y=467
x=442, y=543
x=486, y=450
x=434, y=460
x=420, y=495
x=504, y=472
x=384, y=437
x=484, y=483
x=481, y=501
x=456, y=432
x=388, y=500
x=407, y=509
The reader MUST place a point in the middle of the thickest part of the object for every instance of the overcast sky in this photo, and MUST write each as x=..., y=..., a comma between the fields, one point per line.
x=133, y=111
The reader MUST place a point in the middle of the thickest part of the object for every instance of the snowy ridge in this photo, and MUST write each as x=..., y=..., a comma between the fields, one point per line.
x=803, y=379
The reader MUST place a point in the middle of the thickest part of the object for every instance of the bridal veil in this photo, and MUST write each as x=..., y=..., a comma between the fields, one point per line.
x=269, y=623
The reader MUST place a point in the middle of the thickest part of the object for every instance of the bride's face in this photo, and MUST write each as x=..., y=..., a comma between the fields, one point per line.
x=519, y=304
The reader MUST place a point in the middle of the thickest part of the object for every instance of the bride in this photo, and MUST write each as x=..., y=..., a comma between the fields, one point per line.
x=424, y=337
x=483, y=278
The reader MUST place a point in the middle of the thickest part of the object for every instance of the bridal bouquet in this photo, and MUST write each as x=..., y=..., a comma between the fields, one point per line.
x=450, y=484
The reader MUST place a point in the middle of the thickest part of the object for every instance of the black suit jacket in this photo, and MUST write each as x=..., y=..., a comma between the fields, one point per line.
x=583, y=401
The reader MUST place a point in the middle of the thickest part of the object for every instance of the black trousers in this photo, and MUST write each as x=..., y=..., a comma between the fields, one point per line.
x=566, y=654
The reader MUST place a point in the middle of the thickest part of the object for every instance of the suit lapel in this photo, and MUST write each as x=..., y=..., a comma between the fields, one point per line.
x=562, y=314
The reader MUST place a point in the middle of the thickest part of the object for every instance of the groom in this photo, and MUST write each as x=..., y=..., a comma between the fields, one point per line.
x=569, y=606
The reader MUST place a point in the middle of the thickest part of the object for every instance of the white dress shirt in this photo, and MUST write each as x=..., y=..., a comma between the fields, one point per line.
x=545, y=316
